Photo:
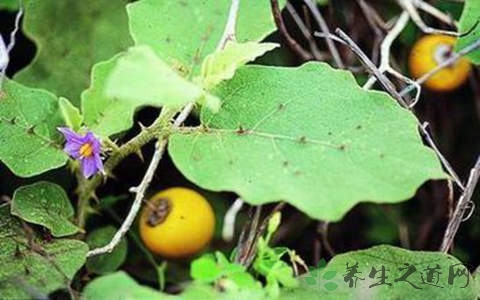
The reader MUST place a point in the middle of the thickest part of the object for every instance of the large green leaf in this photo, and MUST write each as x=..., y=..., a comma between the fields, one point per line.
x=309, y=136
x=119, y=286
x=71, y=37
x=129, y=81
x=184, y=42
x=28, y=135
x=394, y=261
x=470, y=22
x=9, y=4
x=108, y=262
x=31, y=267
x=45, y=204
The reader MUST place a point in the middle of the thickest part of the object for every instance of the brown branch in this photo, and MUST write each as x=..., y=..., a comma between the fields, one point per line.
x=317, y=54
x=291, y=42
x=324, y=28
x=251, y=233
x=464, y=204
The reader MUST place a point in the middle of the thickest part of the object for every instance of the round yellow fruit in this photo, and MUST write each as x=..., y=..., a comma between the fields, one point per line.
x=429, y=52
x=177, y=222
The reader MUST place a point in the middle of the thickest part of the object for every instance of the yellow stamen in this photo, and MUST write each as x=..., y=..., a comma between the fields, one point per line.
x=86, y=150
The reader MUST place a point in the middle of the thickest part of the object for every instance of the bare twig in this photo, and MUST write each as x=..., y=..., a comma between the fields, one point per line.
x=306, y=33
x=464, y=204
x=389, y=87
x=373, y=20
x=410, y=6
x=385, y=51
x=433, y=11
x=252, y=231
x=324, y=27
x=386, y=46
x=229, y=220
x=372, y=17
x=445, y=163
x=322, y=229
x=247, y=237
x=5, y=49
x=291, y=42
x=384, y=81
x=137, y=203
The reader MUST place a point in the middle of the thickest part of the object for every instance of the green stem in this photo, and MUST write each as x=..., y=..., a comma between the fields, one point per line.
x=86, y=188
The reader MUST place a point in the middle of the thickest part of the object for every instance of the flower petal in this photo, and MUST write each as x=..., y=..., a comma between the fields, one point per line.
x=71, y=136
x=98, y=162
x=89, y=167
x=73, y=149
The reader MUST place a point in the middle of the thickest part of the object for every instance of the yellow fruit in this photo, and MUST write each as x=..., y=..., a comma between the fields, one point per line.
x=429, y=52
x=177, y=222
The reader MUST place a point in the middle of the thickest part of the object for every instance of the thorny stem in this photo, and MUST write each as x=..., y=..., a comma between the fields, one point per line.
x=142, y=187
x=87, y=188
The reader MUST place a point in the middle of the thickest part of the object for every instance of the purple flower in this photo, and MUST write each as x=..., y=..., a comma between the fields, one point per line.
x=85, y=148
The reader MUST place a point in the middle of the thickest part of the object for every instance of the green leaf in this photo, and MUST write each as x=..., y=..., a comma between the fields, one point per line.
x=392, y=259
x=109, y=262
x=310, y=136
x=140, y=76
x=244, y=280
x=221, y=65
x=284, y=274
x=205, y=269
x=196, y=291
x=129, y=81
x=119, y=286
x=9, y=4
x=184, y=42
x=470, y=22
x=28, y=135
x=71, y=115
x=45, y=203
x=35, y=271
x=71, y=36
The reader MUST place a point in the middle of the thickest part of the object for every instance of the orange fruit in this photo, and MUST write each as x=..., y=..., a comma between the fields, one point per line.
x=177, y=222
x=430, y=51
